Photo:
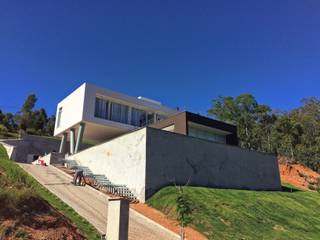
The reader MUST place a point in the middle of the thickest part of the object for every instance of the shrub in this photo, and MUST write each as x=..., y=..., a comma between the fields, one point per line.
x=3, y=130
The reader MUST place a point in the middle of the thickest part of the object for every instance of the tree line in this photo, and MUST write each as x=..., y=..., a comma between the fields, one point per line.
x=27, y=120
x=294, y=134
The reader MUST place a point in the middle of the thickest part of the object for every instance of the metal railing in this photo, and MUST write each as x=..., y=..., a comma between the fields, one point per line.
x=102, y=182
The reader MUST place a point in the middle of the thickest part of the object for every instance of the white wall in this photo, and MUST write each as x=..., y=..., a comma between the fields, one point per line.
x=72, y=110
x=79, y=106
x=122, y=160
x=89, y=104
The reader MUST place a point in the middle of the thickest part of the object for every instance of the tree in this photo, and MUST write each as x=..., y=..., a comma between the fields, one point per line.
x=3, y=130
x=295, y=134
x=184, y=210
x=29, y=103
x=49, y=129
x=26, y=115
x=9, y=122
x=245, y=112
x=308, y=116
x=1, y=116
x=39, y=121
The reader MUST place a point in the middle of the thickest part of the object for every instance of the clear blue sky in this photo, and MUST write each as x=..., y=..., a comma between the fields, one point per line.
x=182, y=53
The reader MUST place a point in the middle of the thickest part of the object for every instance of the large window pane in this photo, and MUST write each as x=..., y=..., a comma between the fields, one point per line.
x=101, y=108
x=150, y=118
x=200, y=133
x=138, y=117
x=119, y=113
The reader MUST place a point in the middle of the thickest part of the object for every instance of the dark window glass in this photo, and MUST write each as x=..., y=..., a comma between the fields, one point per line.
x=138, y=117
x=119, y=113
x=101, y=108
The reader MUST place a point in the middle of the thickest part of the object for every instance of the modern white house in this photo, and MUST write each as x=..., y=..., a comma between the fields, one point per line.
x=98, y=114
x=145, y=146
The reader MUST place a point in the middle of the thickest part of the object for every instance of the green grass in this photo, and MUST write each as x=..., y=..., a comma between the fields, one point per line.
x=240, y=214
x=24, y=185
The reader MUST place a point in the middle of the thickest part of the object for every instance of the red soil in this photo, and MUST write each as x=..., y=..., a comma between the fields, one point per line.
x=297, y=174
x=36, y=222
x=154, y=215
x=166, y=222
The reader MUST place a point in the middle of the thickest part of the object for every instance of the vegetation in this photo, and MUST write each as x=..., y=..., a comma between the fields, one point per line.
x=184, y=210
x=294, y=134
x=17, y=188
x=240, y=214
x=26, y=120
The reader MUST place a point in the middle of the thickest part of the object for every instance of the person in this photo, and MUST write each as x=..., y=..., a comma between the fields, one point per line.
x=78, y=174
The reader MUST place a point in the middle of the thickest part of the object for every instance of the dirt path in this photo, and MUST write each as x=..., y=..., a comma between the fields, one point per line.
x=92, y=205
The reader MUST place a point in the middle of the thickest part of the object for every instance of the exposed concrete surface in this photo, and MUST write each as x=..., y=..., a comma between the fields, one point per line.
x=175, y=158
x=31, y=144
x=19, y=149
x=149, y=159
x=92, y=205
x=122, y=160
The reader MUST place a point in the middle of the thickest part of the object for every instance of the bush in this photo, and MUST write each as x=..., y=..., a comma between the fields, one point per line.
x=3, y=130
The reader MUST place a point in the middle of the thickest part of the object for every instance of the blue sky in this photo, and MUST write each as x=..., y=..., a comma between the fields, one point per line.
x=182, y=53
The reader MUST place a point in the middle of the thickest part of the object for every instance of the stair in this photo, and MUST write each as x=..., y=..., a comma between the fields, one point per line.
x=102, y=182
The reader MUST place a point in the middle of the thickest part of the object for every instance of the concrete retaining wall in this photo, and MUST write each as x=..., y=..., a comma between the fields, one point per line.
x=30, y=144
x=122, y=160
x=174, y=158
x=149, y=159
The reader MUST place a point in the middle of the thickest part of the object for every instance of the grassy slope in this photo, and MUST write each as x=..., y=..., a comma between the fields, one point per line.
x=239, y=214
x=17, y=176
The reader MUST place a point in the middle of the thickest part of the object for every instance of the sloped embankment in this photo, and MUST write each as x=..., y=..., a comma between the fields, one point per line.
x=241, y=214
x=24, y=214
x=298, y=175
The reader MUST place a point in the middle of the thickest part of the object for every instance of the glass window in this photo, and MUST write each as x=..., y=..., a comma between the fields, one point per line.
x=59, y=117
x=101, y=108
x=119, y=113
x=203, y=134
x=150, y=118
x=138, y=117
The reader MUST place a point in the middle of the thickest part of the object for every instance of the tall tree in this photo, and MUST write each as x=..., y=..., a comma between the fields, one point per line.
x=39, y=121
x=29, y=103
x=50, y=125
x=245, y=112
x=308, y=116
x=26, y=114
x=287, y=135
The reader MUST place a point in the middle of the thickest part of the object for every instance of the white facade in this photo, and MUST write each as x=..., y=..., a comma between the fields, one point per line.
x=103, y=114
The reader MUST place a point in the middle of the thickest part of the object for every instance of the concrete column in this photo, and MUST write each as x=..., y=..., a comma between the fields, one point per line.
x=154, y=118
x=79, y=138
x=118, y=219
x=129, y=115
x=63, y=143
x=72, y=133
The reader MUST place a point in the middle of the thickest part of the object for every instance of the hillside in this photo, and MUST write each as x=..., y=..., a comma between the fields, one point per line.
x=28, y=211
x=298, y=175
x=240, y=214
